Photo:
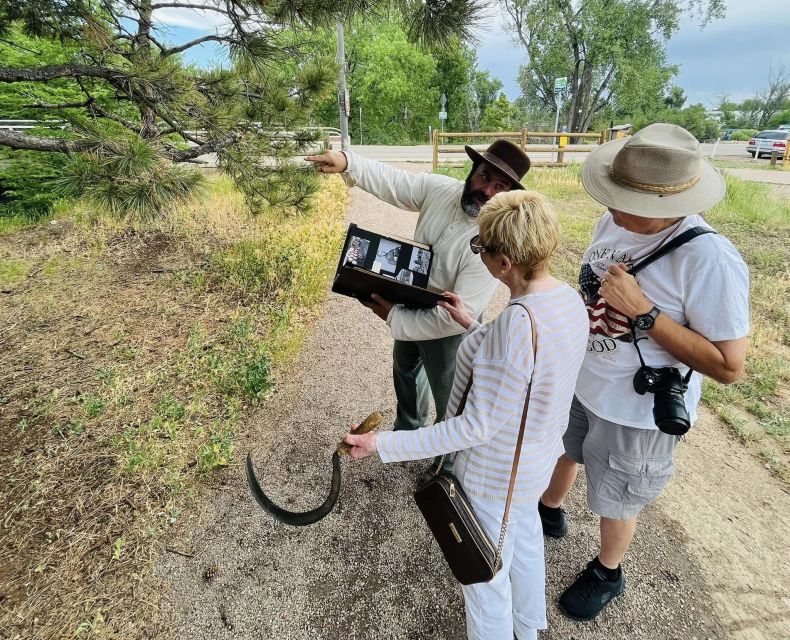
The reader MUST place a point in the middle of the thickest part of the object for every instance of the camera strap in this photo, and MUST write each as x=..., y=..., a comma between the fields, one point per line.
x=673, y=244
x=683, y=238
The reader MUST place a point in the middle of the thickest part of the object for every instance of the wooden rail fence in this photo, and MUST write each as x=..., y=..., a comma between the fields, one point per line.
x=522, y=137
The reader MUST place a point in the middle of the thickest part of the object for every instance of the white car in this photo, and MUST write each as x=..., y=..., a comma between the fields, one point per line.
x=766, y=142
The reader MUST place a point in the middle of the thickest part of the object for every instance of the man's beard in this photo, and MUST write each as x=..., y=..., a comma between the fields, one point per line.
x=468, y=204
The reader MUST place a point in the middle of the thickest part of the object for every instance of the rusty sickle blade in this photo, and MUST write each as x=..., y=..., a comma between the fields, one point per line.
x=301, y=519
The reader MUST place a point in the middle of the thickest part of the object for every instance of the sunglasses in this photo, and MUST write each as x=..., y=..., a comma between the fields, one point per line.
x=480, y=248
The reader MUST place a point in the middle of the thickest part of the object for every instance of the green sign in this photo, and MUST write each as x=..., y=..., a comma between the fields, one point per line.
x=560, y=84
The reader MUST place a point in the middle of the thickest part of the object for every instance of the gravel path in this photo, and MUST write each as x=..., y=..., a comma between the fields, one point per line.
x=371, y=570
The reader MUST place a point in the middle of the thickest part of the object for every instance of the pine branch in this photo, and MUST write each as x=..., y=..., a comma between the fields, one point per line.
x=197, y=41
x=53, y=72
x=180, y=5
x=62, y=105
x=207, y=147
x=37, y=143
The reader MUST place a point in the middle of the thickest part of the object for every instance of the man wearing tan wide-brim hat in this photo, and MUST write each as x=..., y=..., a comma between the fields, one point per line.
x=652, y=336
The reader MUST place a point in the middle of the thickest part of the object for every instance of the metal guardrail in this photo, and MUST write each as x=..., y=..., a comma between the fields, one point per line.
x=522, y=136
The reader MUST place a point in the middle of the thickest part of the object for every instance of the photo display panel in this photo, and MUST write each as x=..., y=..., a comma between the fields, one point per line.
x=390, y=257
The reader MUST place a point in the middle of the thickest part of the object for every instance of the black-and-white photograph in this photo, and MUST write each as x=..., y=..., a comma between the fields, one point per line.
x=420, y=259
x=387, y=255
x=357, y=250
x=404, y=275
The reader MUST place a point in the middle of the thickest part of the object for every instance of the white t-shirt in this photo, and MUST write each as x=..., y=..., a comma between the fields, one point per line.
x=703, y=285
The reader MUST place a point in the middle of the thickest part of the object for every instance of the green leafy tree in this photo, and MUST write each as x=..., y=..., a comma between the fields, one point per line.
x=500, y=115
x=728, y=111
x=675, y=99
x=775, y=97
x=782, y=117
x=603, y=47
x=135, y=91
x=398, y=84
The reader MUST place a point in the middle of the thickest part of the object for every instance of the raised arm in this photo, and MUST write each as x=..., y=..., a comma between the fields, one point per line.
x=397, y=187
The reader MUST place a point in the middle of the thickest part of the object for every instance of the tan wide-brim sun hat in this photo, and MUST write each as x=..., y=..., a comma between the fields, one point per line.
x=658, y=172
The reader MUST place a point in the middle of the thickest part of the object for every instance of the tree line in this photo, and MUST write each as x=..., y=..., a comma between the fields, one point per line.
x=128, y=113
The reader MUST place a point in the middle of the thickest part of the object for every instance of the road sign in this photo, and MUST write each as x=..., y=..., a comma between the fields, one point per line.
x=442, y=115
x=560, y=84
x=443, y=101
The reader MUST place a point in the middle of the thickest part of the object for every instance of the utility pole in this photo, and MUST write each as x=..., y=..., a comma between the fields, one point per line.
x=342, y=91
x=560, y=84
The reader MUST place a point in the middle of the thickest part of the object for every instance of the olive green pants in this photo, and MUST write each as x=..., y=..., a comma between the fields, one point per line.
x=421, y=368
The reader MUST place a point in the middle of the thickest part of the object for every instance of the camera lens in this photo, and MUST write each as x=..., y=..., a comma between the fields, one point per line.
x=669, y=413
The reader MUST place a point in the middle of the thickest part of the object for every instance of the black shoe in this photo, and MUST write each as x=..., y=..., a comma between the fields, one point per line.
x=591, y=592
x=554, y=523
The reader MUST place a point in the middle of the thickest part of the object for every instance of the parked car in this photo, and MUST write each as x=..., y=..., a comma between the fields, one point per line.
x=765, y=142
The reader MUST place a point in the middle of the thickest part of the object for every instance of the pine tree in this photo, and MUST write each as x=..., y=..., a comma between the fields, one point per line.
x=141, y=112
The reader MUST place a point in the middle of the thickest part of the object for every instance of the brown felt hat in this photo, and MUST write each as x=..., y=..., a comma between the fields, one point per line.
x=505, y=156
x=658, y=172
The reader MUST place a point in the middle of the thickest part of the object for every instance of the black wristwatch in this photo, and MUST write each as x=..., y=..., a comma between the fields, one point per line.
x=645, y=321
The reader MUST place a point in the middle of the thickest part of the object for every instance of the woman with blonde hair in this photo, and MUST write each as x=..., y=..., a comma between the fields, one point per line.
x=518, y=233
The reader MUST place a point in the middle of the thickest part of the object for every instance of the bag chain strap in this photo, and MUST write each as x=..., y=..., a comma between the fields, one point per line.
x=520, y=440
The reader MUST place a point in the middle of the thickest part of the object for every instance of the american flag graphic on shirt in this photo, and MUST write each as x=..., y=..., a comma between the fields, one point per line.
x=605, y=320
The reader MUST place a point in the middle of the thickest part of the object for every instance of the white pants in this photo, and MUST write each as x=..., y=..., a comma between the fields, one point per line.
x=514, y=602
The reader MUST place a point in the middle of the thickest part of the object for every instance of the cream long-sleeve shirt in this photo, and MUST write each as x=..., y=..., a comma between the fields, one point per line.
x=443, y=225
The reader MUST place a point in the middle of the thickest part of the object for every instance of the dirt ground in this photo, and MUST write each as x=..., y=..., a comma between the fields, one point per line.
x=709, y=560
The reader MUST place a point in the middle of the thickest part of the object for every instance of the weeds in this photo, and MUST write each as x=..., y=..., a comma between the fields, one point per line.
x=106, y=449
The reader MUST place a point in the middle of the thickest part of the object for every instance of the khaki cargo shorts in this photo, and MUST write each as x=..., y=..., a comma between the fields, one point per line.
x=626, y=467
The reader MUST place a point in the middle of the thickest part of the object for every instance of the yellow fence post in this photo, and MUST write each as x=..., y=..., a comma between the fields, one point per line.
x=774, y=155
x=563, y=142
x=435, y=149
x=603, y=137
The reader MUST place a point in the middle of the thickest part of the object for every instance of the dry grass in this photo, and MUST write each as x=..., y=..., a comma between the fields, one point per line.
x=127, y=357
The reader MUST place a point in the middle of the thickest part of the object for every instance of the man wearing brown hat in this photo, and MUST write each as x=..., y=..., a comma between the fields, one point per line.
x=662, y=312
x=426, y=340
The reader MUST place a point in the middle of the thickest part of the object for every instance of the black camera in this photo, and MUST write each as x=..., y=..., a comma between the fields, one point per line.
x=669, y=409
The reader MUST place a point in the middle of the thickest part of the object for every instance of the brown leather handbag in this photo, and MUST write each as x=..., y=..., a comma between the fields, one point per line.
x=467, y=548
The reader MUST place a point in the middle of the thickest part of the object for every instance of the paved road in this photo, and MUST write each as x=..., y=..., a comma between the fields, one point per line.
x=424, y=153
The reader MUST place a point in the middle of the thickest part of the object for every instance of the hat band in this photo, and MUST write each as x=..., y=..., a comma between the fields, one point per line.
x=653, y=188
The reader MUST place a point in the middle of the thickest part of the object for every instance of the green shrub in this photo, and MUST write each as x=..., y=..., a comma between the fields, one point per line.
x=26, y=188
x=743, y=135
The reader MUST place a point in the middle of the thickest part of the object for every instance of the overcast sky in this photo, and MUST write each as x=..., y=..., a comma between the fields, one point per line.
x=732, y=56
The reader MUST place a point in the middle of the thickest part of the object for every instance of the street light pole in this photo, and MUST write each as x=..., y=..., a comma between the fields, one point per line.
x=342, y=92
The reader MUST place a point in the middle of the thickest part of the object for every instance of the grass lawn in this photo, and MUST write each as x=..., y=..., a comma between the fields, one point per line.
x=757, y=221
x=762, y=165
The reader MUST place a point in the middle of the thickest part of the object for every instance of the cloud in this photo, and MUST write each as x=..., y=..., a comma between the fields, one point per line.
x=195, y=19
